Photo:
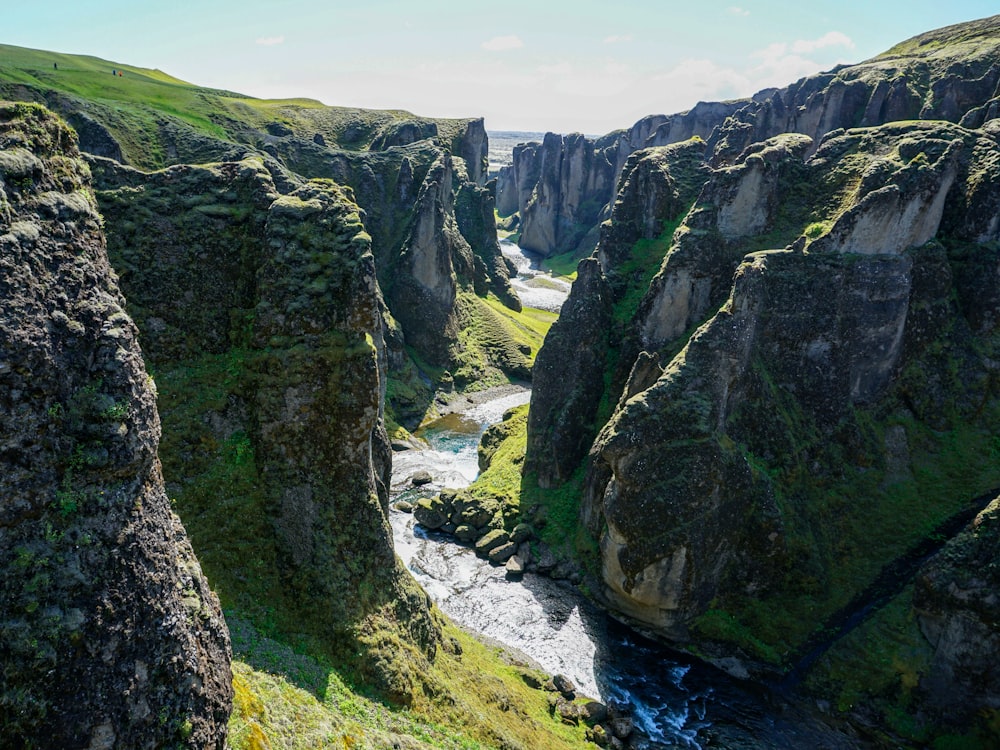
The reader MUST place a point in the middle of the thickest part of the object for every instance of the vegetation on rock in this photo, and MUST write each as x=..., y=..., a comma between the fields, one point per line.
x=100, y=586
x=760, y=469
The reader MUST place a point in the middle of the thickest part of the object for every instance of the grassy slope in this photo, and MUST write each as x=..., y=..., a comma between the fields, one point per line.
x=135, y=103
x=289, y=700
x=286, y=698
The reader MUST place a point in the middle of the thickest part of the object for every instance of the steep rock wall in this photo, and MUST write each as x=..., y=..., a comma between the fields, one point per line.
x=657, y=187
x=948, y=74
x=272, y=397
x=833, y=388
x=111, y=636
x=564, y=186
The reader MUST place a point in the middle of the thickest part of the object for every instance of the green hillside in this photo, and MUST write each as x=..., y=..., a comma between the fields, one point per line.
x=138, y=106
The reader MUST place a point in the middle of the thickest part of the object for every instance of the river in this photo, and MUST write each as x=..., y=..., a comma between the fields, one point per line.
x=535, y=287
x=675, y=702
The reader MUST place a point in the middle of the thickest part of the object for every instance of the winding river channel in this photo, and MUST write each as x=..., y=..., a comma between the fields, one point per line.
x=675, y=703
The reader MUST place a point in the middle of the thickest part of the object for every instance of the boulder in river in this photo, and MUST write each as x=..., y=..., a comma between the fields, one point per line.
x=517, y=564
x=491, y=541
x=595, y=712
x=421, y=478
x=429, y=512
x=501, y=554
x=521, y=533
x=564, y=685
x=466, y=533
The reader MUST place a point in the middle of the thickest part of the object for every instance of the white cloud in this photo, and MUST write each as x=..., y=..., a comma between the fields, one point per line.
x=270, y=41
x=694, y=79
x=783, y=62
x=735, y=10
x=829, y=39
x=501, y=43
x=559, y=69
x=617, y=38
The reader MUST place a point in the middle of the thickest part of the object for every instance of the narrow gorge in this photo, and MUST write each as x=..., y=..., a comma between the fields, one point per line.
x=319, y=431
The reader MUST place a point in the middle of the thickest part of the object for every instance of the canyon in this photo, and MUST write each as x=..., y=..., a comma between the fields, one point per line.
x=762, y=428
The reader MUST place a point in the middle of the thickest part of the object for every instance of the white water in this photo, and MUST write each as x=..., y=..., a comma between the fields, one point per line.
x=535, y=616
x=535, y=287
x=552, y=624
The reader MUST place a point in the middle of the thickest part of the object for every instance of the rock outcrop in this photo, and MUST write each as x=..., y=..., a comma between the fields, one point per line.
x=958, y=611
x=561, y=187
x=110, y=634
x=272, y=396
x=781, y=436
x=948, y=74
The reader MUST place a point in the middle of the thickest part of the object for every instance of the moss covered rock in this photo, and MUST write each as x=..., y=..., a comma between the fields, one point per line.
x=110, y=634
x=812, y=429
x=272, y=399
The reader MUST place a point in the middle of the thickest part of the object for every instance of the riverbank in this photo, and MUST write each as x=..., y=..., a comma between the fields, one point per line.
x=463, y=403
x=673, y=700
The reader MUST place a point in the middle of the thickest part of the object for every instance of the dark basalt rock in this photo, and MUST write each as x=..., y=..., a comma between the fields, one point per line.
x=110, y=634
x=958, y=608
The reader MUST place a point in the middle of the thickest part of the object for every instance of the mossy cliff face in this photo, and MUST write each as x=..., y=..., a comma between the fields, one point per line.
x=424, y=293
x=111, y=636
x=657, y=187
x=773, y=441
x=266, y=339
x=563, y=187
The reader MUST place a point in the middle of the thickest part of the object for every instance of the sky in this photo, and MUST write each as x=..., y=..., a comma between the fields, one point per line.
x=524, y=65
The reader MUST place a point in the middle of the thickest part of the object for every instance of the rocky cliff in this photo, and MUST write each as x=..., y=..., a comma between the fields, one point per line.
x=805, y=390
x=657, y=187
x=420, y=184
x=271, y=393
x=561, y=188
x=111, y=636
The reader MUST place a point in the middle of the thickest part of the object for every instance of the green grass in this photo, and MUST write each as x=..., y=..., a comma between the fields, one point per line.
x=878, y=668
x=841, y=528
x=133, y=106
x=562, y=266
x=221, y=497
x=496, y=344
x=528, y=327
x=502, y=478
x=286, y=700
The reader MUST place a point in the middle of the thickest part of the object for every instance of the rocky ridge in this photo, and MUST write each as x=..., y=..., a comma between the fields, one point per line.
x=564, y=186
x=770, y=410
x=421, y=185
x=111, y=636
